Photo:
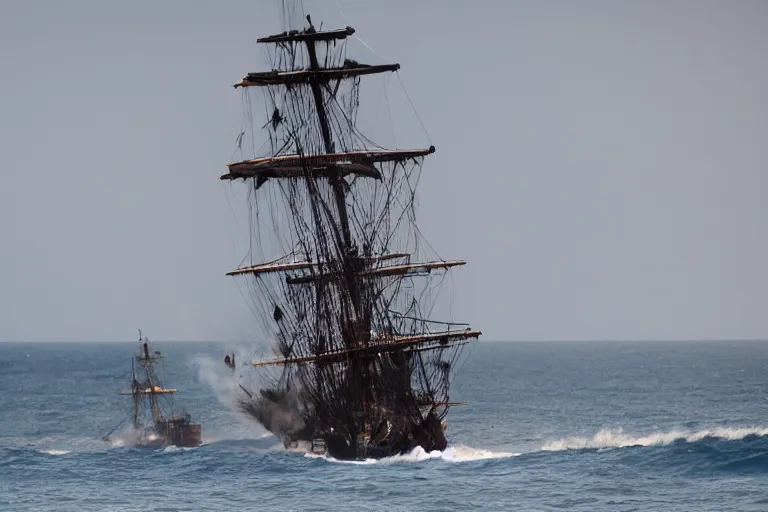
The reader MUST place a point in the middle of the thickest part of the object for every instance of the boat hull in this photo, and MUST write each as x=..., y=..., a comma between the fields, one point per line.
x=338, y=448
x=430, y=436
x=182, y=435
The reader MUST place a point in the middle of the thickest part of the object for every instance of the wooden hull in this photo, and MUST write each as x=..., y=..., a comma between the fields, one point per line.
x=430, y=436
x=184, y=435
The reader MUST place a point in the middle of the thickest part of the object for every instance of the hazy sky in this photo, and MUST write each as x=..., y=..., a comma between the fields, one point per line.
x=601, y=165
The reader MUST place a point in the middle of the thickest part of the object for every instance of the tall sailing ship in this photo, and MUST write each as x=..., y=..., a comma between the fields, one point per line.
x=360, y=371
x=153, y=416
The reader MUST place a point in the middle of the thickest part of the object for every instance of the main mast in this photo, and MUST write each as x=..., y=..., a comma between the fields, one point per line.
x=135, y=393
x=335, y=180
x=318, y=78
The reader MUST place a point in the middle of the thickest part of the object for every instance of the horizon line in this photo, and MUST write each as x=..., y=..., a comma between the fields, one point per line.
x=603, y=340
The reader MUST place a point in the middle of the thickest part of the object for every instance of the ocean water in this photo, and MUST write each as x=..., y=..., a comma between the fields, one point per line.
x=549, y=426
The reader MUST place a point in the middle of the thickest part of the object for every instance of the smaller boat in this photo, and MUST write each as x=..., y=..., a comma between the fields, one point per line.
x=153, y=413
x=230, y=360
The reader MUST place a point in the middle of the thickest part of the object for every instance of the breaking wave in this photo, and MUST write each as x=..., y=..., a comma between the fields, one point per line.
x=617, y=438
x=462, y=453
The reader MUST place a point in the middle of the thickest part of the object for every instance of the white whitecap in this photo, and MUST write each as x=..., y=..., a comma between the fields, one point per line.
x=55, y=452
x=617, y=438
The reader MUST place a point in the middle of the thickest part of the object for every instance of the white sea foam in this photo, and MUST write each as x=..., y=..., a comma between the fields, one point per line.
x=129, y=436
x=462, y=453
x=115, y=442
x=617, y=438
x=173, y=448
x=458, y=453
x=55, y=452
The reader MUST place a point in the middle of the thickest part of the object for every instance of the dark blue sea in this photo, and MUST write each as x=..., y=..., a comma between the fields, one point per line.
x=550, y=426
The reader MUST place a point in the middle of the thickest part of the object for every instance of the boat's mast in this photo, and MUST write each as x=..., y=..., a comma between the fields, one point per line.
x=135, y=393
x=334, y=169
x=152, y=395
x=335, y=180
x=148, y=367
